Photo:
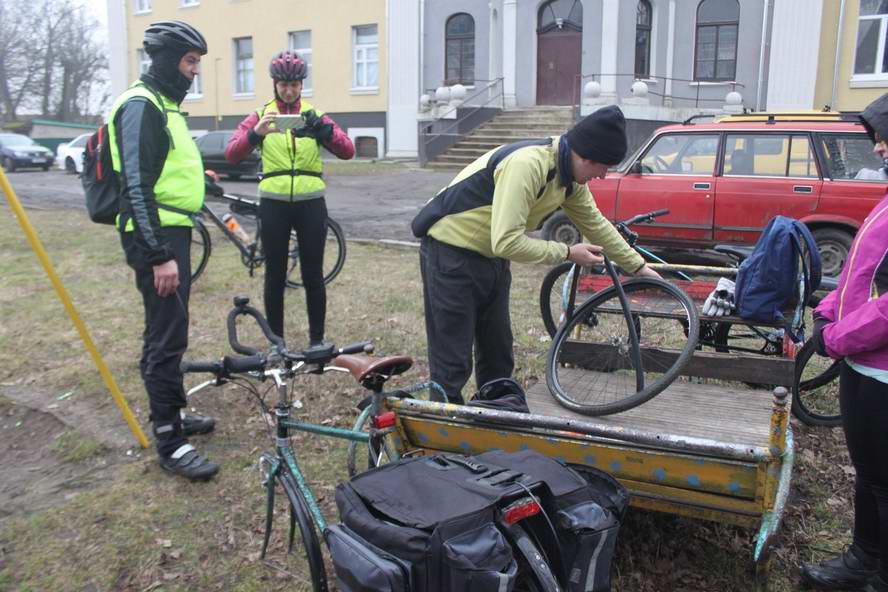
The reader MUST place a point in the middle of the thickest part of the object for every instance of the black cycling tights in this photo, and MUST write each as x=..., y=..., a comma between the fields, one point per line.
x=309, y=220
x=864, y=404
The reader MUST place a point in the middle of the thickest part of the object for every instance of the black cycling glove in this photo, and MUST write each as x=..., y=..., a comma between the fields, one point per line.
x=315, y=128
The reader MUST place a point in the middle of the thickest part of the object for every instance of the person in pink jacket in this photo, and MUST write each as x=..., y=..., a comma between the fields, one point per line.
x=851, y=324
x=290, y=133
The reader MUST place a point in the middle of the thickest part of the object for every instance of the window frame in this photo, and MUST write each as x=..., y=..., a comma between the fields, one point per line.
x=141, y=6
x=827, y=163
x=719, y=25
x=880, y=61
x=188, y=3
x=461, y=40
x=143, y=60
x=238, y=71
x=195, y=91
x=306, y=54
x=790, y=134
x=719, y=148
x=359, y=50
x=649, y=29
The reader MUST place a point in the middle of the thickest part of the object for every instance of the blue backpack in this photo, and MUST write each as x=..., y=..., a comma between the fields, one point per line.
x=769, y=281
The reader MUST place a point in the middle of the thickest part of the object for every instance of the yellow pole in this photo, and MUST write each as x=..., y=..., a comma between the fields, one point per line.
x=31, y=234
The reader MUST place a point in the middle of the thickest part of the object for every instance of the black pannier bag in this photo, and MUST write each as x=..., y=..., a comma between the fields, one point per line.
x=433, y=524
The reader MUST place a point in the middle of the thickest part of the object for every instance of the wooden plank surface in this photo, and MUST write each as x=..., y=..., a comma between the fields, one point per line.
x=736, y=415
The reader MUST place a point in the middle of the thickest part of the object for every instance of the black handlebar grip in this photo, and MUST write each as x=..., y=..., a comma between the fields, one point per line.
x=657, y=213
x=211, y=367
x=362, y=347
x=236, y=364
x=232, y=334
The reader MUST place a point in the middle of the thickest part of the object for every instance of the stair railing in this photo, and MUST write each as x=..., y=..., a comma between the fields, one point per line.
x=434, y=142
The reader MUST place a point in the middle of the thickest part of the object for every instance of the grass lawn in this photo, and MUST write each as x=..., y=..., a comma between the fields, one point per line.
x=143, y=530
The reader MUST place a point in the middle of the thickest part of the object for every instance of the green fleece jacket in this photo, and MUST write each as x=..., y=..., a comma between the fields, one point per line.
x=493, y=202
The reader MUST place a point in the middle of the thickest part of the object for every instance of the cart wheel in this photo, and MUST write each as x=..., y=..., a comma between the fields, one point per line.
x=593, y=368
x=815, y=394
x=309, y=559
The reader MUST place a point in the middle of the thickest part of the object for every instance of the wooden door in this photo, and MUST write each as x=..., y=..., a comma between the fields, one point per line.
x=558, y=66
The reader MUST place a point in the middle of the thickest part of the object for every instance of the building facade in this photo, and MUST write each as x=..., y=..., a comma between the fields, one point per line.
x=342, y=41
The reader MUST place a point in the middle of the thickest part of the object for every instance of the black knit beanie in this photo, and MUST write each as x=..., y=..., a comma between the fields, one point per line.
x=875, y=118
x=601, y=136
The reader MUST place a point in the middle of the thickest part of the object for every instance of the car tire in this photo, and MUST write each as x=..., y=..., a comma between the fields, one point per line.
x=8, y=165
x=558, y=227
x=46, y=167
x=70, y=166
x=834, y=245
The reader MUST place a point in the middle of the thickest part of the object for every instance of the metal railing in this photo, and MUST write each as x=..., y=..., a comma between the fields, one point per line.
x=580, y=82
x=433, y=142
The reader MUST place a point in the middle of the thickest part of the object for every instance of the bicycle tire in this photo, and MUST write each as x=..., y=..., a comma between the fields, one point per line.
x=333, y=262
x=660, y=311
x=201, y=247
x=550, y=295
x=311, y=544
x=815, y=395
x=361, y=449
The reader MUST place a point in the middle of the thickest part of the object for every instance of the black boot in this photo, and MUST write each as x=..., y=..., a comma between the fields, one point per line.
x=851, y=570
x=186, y=462
x=193, y=424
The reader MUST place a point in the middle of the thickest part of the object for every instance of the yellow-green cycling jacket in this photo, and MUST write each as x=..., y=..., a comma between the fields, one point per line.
x=158, y=165
x=494, y=201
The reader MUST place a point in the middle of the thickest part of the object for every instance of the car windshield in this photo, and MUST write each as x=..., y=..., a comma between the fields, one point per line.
x=12, y=140
x=79, y=142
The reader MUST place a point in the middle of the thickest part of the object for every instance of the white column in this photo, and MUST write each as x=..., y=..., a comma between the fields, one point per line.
x=493, y=42
x=610, y=17
x=510, y=43
x=402, y=27
x=792, y=74
x=118, y=52
x=670, y=52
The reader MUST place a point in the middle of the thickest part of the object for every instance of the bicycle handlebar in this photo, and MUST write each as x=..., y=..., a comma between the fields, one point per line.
x=242, y=307
x=648, y=217
x=210, y=367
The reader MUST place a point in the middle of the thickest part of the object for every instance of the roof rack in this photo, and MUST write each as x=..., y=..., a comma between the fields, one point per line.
x=691, y=119
x=792, y=116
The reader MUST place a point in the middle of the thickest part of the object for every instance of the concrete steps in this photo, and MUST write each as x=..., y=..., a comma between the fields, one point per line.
x=507, y=127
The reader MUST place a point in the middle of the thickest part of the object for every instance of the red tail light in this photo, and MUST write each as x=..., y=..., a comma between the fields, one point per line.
x=523, y=508
x=385, y=420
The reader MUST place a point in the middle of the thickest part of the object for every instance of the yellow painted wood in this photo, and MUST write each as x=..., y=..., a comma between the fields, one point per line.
x=699, y=504
x=683, y=471
x=62, y=293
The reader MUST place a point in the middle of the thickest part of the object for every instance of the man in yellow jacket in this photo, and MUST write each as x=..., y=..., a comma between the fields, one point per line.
x=162, y=184
x=473, y=228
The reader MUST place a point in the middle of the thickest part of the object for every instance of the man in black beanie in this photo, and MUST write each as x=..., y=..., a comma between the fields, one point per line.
x=162, y=185
x=475, y=226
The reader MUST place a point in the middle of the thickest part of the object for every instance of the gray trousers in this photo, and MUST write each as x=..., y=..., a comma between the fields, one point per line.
x=466, y=298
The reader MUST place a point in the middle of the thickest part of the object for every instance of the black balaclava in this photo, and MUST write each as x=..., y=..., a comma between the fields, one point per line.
x=164, y=74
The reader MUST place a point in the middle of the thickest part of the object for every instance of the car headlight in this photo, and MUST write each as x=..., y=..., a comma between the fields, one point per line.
x=19, y=154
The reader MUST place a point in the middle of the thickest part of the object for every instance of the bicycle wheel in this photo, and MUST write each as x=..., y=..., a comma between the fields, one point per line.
x=201, y=247
x=592, y=367
x=311, y=545
x=815, y=394
x=553, y=292
x=334, y=256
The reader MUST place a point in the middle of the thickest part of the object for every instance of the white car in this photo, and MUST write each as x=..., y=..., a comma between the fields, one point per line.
x=69, y=156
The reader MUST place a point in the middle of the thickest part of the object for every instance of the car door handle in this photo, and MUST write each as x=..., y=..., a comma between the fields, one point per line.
x=702, y=186
x=803, y=189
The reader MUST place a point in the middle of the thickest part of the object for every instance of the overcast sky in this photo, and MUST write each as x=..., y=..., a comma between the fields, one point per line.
x=99, y=9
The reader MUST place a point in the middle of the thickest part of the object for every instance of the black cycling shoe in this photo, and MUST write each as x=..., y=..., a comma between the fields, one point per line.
x=193, y=424
x=852, y=570
x=190, y=465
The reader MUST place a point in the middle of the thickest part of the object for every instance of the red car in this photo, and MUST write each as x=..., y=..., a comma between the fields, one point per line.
x=723, y=181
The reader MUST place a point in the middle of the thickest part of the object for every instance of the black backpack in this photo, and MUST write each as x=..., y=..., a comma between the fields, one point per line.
x=101, y=184
x=436, y=524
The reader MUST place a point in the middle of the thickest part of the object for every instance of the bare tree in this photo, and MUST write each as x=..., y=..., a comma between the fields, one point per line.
x=17, y=43
x=82, y=66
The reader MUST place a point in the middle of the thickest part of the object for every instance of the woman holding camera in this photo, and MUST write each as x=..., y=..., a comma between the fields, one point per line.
x=292, y=187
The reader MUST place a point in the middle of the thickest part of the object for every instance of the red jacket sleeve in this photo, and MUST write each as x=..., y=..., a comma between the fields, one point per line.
x=239, y=145
x=340, y=145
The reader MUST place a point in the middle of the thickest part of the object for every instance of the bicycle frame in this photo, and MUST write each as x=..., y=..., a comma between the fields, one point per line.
x=248, y=252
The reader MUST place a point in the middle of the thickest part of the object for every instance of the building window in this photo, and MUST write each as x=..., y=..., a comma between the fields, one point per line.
x=144, y=61
x=716, y=47
x=186, y=3
x=143, y=6
x=459, y=49
x=643, y=39
x=558, y=14
x=366, y=147
x=300, y=42
x=870, y=57
x=243, y=66
x=196, y=90
x=365, y=55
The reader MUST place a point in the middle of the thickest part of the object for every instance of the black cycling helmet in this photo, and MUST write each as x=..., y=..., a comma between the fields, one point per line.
x=287, y=66
x=174, y=35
